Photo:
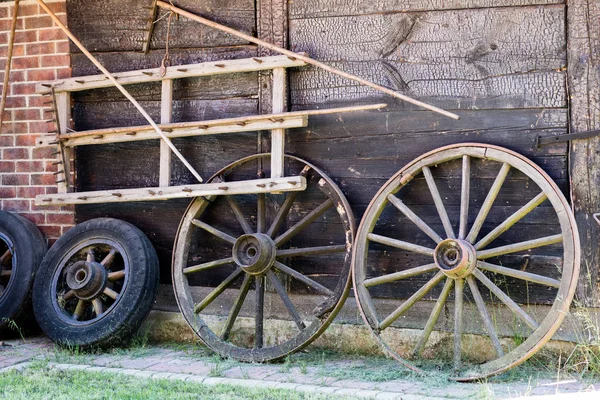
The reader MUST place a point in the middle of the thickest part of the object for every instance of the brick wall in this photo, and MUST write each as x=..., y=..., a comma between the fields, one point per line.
x=41, y=52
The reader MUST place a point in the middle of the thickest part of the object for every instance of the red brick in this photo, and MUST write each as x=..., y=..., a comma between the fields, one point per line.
x=47, y=35
x=65, y=229
x=26, y=62
x=38, y=126
x=36, y=100
x=64, y=73
x=38, y=22
x=56, y=61
x=7, y=193
x=29, y=192
x=51, y=231
x=5, y=12
x=15, y=76
x=63, y=47
x=26, y=140
x=15, y=154
x=6, y=25
x=40, y=48
x=51, y=241
x=41, y=153
x=60, y=219
x=29, y=9
x=37, y=218
x=58, y=7
x=16, y=205
x=23, y=88
x=51, y=189
x=26, y=37
x=7, y=166
x=6, y=139
x=15, y=180
x=16, y=102
x=41, y=75
x=18, y=50
x=43, y=179
x=14, y=127
x=27, y=114
x=30, y=166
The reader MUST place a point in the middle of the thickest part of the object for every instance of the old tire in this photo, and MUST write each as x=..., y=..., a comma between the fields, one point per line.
x=22, y=248
x=96, y=284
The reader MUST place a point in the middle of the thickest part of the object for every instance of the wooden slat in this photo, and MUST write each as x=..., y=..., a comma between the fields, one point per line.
x=278, y=135
x=63, y=115
x=290, y=183
x=166, y=115
x=174, y=72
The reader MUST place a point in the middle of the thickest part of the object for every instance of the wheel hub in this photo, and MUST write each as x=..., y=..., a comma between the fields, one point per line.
x=254, y=253
x=86, y=279
x=456, y=258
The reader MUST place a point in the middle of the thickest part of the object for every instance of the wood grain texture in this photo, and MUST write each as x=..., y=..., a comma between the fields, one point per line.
x=483, y=58
x=584, y=86
x=329, y=8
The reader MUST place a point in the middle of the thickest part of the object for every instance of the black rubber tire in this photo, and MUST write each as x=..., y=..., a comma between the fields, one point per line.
x=29, y=247
x=118, y=323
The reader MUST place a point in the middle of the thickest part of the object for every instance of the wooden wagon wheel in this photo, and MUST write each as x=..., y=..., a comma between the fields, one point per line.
x=247, y=257
x=472, y=259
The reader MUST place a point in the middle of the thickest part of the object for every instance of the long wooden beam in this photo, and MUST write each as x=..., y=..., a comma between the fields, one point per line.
x=308, y=60
x=175, y=72
x=287, y=184
x=11, y=45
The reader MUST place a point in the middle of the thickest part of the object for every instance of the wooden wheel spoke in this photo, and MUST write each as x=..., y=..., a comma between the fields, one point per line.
x=115, y=276
x=110, y=293
x=458, y=319
x=286, y=300
x=79, y=309
x=237, y=306
x=439, y=204
x=399, y=244
x=506, y=300
x=510, y=221
x=239, y=215
x=69, y=295
x=423, y=269
x=489, y=326
x=411, y=300
x=5, y=257
x=302, y=278
x=414, y=218
x=464, y=196
x=218, y=290
x=6, y=273
x=488, y=202
x=311, y=251
x=98, y=307
x=282, y=213
x=214, y=231
x=207, y=265
x=91, y=255
x=261, y=213
x=515, y=273
x=110, y=257
x=521, y=246
x=260, y=312
x=303, y=223
x=433, y=317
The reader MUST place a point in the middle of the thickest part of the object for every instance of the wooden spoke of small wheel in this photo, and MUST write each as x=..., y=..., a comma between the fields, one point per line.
x=6, y=273
x=414, y=218
x=439, y=203
x=311, y=251
x=208, y=265
x=464, y=196
x=488, y=202
x=115, y=276
x=285, y=298
x=433, y=317
x=285, y=208
x=515, y=273
x=303, y=223
x=110, y=257
x=98, y=307
x=304, y=279
x=261, y=214
x=237, y=306
x=510, y=221
x=218, y=290
x=399, y=244
x=5, y=257
x=79, y=309
x=91, y=256
x=214, y=231
x=411, y=301
x=506, y=300
x=110, y=293
x=489, y=326
x=423, y=269
x=259, y=318
x=239, y=215
x=521, y=246
x=69, y=295
x=458, y=319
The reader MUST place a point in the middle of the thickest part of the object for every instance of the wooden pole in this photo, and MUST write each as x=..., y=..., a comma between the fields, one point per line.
x=120, y=87
x=304, y=58
x=11, y=42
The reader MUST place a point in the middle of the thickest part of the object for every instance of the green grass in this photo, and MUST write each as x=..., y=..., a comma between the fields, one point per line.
x=39, y=382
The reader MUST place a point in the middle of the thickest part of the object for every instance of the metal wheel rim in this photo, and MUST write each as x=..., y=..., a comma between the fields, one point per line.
x=7, y=276
x=186, y=302
x=58, y=277
x=570, y=240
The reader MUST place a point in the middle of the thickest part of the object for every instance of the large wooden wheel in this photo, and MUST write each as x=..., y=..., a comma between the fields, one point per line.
x=473, y=239
x=241, y=261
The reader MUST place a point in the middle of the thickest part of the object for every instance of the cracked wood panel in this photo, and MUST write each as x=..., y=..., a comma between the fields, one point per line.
x=330, y=8
x=114, y=25
x=509, y=57
x=584, y=86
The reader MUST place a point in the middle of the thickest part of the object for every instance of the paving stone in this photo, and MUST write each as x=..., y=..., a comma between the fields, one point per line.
x=216, y=381
x=390, y=396
x=355, y=384
x=162, y=375
x=145, y=374
x=286, y=385
x=128, y=371
x=112, y=370
x=140, y=363
x=195, y=379
x=279, y=377
x=96, y=369
x=346, y=392
x=178, y=377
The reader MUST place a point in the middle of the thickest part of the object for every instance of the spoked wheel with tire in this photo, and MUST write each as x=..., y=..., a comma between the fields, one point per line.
x=476, y=246
x=96, y=284
x=22, y=248
x=239, y=260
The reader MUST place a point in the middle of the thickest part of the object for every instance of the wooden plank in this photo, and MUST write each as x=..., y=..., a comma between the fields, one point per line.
x=174, y=72
x=166, y=115
x=185, y=129
x=290, y=183
x=455, y=59
x=584, y=87
x=63, y=109
x=300, y=9
x=278, y=135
